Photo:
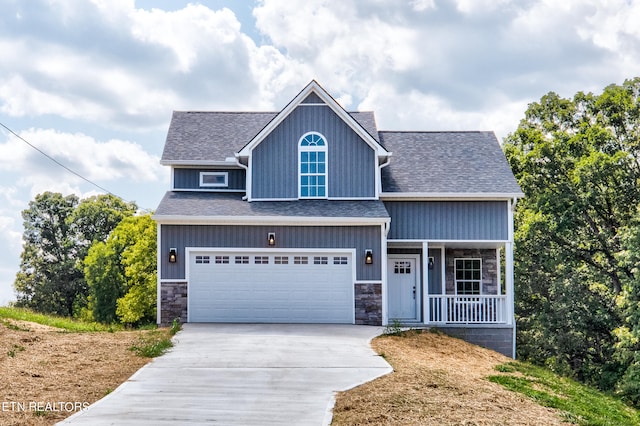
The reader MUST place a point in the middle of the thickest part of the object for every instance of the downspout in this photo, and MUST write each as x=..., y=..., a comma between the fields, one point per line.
x=246, y=168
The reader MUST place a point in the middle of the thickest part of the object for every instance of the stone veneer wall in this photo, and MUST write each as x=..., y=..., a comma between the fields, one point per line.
x=368, y=304
x=173, y=299
x=489, y=268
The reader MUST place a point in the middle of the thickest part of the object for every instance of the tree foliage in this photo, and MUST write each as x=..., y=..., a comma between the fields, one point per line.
x=578, y=163
x=57, y=233
x=121, y=273
x=48, y=280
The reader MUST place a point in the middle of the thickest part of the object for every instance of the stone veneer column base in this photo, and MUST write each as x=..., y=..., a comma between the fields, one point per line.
x=173, y=299
x=368, y=304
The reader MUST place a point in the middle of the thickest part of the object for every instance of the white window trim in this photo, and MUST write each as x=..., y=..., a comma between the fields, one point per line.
x=455, y=274
x=326, y=165
x=225, y=184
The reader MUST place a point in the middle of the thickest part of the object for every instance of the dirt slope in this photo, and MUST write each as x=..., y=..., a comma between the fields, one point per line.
x=47, y=375
x=437, y=380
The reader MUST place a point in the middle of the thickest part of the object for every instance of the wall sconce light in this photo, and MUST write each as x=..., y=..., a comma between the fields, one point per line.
x=430, y=262
x=368, y=256
x=272, y=238
x=173, y=255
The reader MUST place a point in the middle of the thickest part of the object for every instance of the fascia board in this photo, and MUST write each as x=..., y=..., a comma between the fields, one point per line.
x=435, y=196
x=267, y=220
x=198, y=163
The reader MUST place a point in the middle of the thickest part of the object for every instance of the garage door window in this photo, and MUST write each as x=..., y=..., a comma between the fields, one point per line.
x=222, y=260
x=340, y=260
x=242, y=260
x=300, y=260
x=281, y=260
x=320, y=260
x=261, y=260
x=202, y=259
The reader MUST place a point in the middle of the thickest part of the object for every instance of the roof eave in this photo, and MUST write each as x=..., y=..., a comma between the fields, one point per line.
x=198, y=163
x=267, y=220
x=449, y=196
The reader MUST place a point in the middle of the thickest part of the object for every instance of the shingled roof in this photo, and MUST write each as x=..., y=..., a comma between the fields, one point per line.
x=209, y=137
x=446, y=163
x=229, y=205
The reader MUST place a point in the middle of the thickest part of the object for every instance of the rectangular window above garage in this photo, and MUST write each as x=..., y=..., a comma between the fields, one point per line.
x=214, y=179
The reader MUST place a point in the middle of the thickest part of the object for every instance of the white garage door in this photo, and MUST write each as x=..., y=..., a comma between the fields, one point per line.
x=271, y=287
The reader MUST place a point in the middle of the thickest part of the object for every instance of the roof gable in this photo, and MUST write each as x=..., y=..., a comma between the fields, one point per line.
x=315, y=94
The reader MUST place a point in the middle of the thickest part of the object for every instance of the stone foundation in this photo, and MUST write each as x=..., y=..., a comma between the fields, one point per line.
x=498, y=339
x=368, y=304
x=173, y=299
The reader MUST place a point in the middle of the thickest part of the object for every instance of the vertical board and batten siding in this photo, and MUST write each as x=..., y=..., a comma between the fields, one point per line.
x=303, y=237
x=190, y=179
x=448, y=220
x=351, y=162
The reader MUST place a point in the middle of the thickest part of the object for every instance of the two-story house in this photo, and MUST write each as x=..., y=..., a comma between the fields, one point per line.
x=313, y=215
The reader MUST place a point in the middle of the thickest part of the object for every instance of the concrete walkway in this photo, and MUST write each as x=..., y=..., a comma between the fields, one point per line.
x=243, y=374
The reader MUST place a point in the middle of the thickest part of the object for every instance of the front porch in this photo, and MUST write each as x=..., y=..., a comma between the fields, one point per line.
x=459, y=283
x=464, y=289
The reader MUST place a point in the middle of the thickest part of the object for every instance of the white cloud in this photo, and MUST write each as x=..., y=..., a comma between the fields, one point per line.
x=97, y=161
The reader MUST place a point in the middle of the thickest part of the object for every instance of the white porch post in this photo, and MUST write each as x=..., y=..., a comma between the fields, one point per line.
x=508, y=277
x=425, y=283
x=508, y=257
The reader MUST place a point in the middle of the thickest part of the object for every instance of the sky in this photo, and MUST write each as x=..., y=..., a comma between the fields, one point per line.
x=93, y=83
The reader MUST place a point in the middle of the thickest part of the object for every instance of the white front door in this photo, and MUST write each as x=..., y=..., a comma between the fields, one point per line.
x=404, y=292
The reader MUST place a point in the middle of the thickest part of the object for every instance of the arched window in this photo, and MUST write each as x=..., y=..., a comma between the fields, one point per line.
x=312, y=151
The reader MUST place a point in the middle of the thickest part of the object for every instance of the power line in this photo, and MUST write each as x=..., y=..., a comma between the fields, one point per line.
x=59, y=163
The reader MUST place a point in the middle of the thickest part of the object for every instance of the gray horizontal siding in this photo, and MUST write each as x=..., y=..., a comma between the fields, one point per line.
x=358, y=237
x=190, y=178
x=351, y=162
x=448, y=220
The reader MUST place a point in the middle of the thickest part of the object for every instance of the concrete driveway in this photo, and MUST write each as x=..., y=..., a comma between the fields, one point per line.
x=244, y=374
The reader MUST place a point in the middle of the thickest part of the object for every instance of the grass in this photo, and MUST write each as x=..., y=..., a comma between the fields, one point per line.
x=153, y=344
x=579, y=404
x=64, y=323
x=156, y=342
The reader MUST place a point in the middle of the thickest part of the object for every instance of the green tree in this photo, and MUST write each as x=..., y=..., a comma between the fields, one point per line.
x=577, y=161
x=95, y=217
x=121, y=273
x=48, y=280
x=138, y=305
x=58, y=231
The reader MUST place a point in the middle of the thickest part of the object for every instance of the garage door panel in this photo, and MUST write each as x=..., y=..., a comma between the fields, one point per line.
x=281, y=287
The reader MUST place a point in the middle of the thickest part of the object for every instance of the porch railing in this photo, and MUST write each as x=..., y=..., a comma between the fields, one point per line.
x=453, y=309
